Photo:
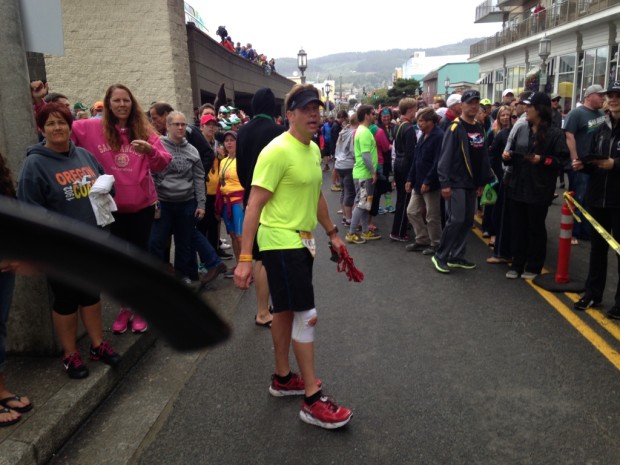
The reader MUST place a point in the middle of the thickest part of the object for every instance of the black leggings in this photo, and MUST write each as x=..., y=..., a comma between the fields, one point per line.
x=135, y=227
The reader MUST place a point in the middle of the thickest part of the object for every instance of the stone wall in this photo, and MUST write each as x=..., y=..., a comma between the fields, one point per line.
x=139, y=43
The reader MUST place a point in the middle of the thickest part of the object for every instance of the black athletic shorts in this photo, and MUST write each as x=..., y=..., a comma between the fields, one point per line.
x=67, y=298
x=289, y=273
x=256, y=253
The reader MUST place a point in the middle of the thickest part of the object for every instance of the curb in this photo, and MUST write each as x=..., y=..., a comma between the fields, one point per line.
x=39, y=435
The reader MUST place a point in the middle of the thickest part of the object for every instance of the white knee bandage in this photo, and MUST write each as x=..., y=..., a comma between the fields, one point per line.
x=303, y=325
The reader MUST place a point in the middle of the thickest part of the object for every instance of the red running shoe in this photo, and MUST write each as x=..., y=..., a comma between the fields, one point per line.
x=294, y=387
x=325, y=414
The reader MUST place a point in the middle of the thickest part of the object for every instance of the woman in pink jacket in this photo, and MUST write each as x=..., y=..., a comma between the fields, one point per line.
x=128, y=148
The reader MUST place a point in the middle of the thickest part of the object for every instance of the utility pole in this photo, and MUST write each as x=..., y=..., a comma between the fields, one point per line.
x=30, y=328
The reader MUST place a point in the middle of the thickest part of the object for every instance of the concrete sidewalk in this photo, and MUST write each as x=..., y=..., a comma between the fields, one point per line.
x=62, y=404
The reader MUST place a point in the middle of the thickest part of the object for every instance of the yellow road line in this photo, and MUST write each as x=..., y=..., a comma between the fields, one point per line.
x=598, y=316
x=586, y=331
x=597, y=341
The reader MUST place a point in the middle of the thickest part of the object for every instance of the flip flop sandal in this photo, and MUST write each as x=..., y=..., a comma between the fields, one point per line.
x=5, y=403
x=8, y=423
x=497, y=260
x=264, y=325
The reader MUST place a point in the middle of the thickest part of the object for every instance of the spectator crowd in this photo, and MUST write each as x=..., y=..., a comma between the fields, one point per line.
x=166, y=178
x=246, y=51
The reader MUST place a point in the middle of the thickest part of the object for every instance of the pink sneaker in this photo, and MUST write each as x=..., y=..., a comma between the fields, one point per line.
x=138, y=324
x=122, y=320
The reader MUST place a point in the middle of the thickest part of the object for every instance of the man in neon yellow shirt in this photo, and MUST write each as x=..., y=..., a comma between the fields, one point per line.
x=286, y=198
x=364, y=176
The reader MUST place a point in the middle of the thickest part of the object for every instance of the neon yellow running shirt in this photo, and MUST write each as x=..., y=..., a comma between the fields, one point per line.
x=290, y=170
x=364, y=142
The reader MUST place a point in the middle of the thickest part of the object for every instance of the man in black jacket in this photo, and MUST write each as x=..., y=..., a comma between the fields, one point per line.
x=463, y=170
x=404, y=149
x=251, y=139
x=603, y=198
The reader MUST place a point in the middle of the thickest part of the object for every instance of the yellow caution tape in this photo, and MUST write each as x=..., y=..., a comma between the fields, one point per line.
x=571, y=202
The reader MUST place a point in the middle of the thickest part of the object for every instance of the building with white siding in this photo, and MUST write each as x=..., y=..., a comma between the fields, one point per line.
x=584, y=38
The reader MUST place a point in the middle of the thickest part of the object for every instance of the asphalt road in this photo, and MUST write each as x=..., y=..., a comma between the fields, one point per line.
x=466, y=368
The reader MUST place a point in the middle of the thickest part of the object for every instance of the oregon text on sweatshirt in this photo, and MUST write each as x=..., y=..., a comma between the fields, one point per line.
x=60, y=182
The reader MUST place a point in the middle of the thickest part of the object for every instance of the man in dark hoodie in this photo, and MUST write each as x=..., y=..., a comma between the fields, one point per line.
x=463, y=170
x=251, y=139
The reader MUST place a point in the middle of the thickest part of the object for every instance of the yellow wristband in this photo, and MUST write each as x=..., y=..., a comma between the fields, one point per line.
x=246, y=258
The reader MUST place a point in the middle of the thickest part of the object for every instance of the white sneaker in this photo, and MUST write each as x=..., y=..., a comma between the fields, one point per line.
x=512, y=274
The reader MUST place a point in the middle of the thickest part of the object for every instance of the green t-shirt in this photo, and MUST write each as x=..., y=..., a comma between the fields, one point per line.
x=290, y=170
x=364, y=142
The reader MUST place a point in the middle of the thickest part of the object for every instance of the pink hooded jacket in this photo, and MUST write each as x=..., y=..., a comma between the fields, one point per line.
x=133, y=183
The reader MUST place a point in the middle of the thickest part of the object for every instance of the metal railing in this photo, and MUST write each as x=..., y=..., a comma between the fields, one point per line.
x=486, y=8
x=517, y=28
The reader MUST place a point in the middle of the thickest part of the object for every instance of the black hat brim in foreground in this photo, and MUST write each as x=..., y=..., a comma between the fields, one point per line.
x=88, y=257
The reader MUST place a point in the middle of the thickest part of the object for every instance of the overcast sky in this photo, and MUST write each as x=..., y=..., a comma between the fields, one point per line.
x=280, y=28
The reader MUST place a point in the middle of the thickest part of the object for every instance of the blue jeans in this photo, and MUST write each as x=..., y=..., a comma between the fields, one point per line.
x=208, y=255
x=578, y=183
x=7, y=283
x=177, y=218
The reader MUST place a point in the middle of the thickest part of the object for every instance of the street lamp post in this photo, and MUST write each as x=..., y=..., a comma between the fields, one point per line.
x=446, y=85
x=302, y=63
x=328, y=89
x=544, y=50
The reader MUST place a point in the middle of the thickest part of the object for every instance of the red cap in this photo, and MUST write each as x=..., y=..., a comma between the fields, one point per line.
x=207, y=118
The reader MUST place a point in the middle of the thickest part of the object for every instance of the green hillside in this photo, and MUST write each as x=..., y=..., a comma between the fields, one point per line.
x=372, y=69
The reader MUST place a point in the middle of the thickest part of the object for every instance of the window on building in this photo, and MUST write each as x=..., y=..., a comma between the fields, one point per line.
x=600, y=65
x=613, y=65
x=594, y=66
x=516, y=79
x=566, y=79
x=499, y=85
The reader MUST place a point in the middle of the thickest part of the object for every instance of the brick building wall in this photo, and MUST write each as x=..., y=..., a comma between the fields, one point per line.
x=139, y=43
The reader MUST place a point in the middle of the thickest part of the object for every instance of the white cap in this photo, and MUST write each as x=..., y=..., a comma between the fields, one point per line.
x=507, y=91
x=453, y=100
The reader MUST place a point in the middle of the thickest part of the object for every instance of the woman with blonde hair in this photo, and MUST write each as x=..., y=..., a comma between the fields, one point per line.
x=496, y=217
x=503, y=121
x=128, y=147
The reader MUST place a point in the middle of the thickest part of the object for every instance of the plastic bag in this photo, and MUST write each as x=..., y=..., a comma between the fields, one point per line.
x=489, y=195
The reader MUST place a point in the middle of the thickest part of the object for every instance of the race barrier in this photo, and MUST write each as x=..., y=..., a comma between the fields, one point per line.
x=566, y=234
x=561, y=281
x=595, y=224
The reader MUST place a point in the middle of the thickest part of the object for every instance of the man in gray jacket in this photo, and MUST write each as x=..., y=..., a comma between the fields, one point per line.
x=463, y=170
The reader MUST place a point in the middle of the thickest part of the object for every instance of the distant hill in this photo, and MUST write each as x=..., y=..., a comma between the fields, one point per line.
x=365, y=69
